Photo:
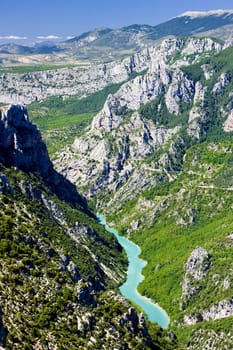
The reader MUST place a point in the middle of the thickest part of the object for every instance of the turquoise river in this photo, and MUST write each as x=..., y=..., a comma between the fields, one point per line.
x=153, y=311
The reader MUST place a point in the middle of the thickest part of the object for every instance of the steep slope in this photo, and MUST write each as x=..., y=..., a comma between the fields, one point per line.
x=21, y=146
x=157, y=161
x=117, y=153
x=59, y=268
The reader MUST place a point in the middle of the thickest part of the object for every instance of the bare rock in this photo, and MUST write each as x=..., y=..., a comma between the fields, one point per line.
x=21, y=146
x=222, y=82
x=220, y=310
x=196, y=269
x=228, y=125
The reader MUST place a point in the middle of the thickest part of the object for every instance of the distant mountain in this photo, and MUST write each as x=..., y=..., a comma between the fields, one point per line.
x=192, y=23
x=129, y=39
x=86, y=37
x=117, y=38
x=14, y=49
x=108, y=44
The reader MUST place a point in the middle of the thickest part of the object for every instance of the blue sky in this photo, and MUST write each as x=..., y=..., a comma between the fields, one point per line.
x=39, y=19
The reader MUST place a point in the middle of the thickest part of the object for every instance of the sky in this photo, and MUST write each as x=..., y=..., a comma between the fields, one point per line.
x=27, y=21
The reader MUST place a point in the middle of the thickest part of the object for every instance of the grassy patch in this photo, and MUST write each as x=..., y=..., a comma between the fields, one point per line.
x=61, y=120
x=31, y=69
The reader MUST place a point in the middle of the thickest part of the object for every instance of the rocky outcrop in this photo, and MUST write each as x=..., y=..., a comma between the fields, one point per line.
x=218, y=311
x=180, y=90
x=135, y=323
x=197, y=114
x=196, y=269
x=222, y=82
x=228, y=124
x=5, y=187
x=82, y=80
x=21, y=146
x=198, y=45
x=106, y=164
x=209, y=339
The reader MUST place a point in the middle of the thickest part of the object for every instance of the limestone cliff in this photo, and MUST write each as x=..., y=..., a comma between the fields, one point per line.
x=109, y=157
x=22, y=147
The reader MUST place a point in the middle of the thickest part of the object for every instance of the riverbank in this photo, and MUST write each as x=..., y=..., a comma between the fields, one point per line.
x=153, y=311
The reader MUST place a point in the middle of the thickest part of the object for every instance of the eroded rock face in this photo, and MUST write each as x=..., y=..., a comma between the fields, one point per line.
x=217, y=311
x=198, y=45
x=21, y=146
x=36, y=86
x=136, y=323
x=196, y=269
x=180, y=90
x=106, y=157
x=222, y=82
x=228, y=125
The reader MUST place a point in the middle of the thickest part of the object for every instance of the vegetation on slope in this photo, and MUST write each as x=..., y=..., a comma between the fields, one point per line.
x=61, y=120
x=196, y=212
x=191, y=208
x=59, y=273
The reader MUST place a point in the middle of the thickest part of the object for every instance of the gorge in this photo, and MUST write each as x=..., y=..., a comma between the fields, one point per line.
x=145, y=139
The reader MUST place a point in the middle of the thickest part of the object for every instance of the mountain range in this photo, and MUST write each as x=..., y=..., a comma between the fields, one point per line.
x=107, y=44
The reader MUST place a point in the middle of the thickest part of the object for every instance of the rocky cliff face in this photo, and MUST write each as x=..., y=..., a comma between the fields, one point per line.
x=30, y=87
x=109, y=157
x=83, y=80
x=21, y=146
x=196, y=269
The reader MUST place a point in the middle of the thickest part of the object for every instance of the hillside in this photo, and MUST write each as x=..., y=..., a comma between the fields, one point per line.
x=157, y=161
x=59, y=268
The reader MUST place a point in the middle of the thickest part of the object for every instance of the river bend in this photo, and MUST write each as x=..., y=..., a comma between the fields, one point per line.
x=153, y=311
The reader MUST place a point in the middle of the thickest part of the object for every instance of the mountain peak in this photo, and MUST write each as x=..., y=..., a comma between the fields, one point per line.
x=197, y=14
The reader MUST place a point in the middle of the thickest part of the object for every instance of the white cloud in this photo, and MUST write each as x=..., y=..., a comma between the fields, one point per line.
x=13, y=37
x=70, y=37
x=48, y=37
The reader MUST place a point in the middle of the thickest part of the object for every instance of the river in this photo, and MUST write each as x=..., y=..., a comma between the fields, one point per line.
x=153, y=311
